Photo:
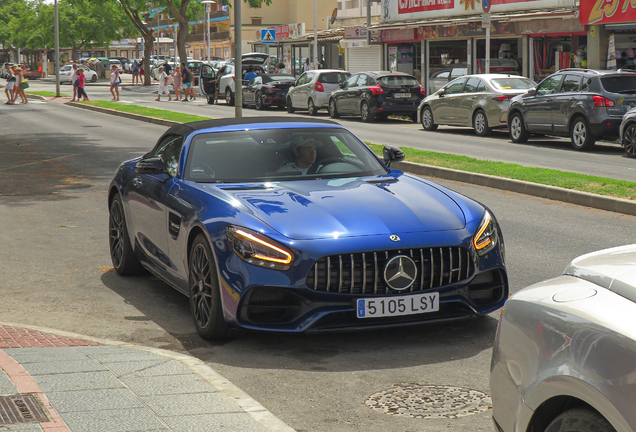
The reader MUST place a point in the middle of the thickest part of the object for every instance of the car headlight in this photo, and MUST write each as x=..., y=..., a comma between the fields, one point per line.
x=485, y=237
x=258, y=250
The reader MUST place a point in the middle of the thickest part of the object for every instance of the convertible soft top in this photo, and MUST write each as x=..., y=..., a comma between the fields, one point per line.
x=184, y=129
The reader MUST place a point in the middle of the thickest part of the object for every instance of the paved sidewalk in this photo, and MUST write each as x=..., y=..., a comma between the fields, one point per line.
x=53, y=381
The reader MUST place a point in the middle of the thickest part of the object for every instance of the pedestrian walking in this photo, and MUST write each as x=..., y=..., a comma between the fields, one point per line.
x=163, y=85
x=8, y=89
x=167, y=68
x=176, y=82
x=306, y=65
x=186, y=79
x=18, y=89
x=115, y=80
x=142, y=72
x=81, y=83
x=74, y=77
x=135, y=71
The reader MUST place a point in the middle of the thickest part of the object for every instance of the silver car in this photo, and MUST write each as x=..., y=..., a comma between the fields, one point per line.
x=564, y=357
x=312, y=89
x=478, y=101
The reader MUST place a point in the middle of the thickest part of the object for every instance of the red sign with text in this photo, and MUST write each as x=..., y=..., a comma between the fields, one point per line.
x=410, y=6
x=607, y=11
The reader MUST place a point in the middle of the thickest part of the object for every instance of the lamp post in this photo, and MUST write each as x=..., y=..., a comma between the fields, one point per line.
x=174, y=40
x=208, y=6
x=238, y=60
x=315, y=38
x=57, y=52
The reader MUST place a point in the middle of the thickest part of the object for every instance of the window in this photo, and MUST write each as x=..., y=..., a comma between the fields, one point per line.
x=362, y=81
x=549, y=85
x=399, y=81
x=310, y=77
x=458, y=72
x=351, y=82
x=257, y=21
x=471, y=85
x=625, y=84
x=333, y=77
x=169, y=150
x=455, y=86
x=302, y=79
x=571, y=83
x=256, y=81
x=513, y=83
x=481, y=87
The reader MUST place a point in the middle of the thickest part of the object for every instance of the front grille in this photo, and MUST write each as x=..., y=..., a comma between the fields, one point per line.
x=363, y=273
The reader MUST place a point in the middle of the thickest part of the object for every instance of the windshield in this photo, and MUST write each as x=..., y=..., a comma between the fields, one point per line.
x=398, y=81
x=513, y=83
x=619, y=83
x=333, y=77
x=278, y=155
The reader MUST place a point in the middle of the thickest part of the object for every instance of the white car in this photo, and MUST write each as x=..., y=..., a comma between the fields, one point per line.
x=227, y=82
x=67, y=71
x=312, y=89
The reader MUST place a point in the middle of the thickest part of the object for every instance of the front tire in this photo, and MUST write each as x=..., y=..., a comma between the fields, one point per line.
x=229, y=98
x=94, y=78
x=480, y=124
x=629, y=140
x=365, y=112
x=311, y=108
x=581, y=135
x=290, y=107
x=427, y=119
x=518, y=132
x=205, y=297
x=333, y=109
x=580, y=420
x=121, y=251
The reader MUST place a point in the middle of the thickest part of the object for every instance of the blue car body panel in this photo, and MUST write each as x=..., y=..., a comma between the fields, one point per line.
x=313, y=218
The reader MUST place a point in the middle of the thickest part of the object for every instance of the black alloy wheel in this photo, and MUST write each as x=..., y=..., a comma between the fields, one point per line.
x=290, y=107
x=311, y=107
x=121, y=251
x=427, y=119
x=365, y=112
x=94, y=78
x=258, y=101
x=333, y=109
x=205, y=297
x=629, y=140
x=229, y=98
x=518, y=132
x=580, y=420
x=480, y=124
x=581, y=135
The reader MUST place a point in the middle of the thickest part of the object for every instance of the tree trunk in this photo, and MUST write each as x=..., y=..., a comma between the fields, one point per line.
x=181, y=42
x=182, y=17
x=148, y=42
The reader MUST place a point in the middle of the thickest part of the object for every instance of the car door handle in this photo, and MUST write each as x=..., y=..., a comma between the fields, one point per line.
x=572, y=99
x=474, y=97
x=137, y=182
x=548, y=100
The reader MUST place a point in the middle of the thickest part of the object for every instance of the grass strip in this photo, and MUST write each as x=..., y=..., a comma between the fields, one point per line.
x=581, y=182
x=45, y=93
x=150, y=112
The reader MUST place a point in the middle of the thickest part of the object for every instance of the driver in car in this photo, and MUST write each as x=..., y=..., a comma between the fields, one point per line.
x=305, y=154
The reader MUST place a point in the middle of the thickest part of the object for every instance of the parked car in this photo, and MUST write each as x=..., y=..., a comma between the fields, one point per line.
x=227, y=84
x=266, y=90
x=583, y=104
x=628, y=132
x=440, y=76
x=564, y=356
x=207, y=82
x=66, y=72
x=477, y=101
x=377, y=94
x=222, y=211
x=312, y=90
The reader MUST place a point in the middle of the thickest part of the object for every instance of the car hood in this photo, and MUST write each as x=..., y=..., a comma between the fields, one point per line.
x=614, y=269
x=347, y=207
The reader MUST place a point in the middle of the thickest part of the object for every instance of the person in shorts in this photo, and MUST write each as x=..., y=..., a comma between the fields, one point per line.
x=115, y=80
x=135, y=71
x=8, y=89
x=163, y=85
x=186, y=79
x=74, y=77
x=81, y=83
x=176, y=79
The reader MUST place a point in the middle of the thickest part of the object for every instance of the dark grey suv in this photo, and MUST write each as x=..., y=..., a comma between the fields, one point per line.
x=583, y=104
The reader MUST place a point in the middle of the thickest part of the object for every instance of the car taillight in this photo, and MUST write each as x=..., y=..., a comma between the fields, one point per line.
x=502, y=98
x=600, y=101
x=376, y=90
x=422, y=91
x=319, y=87
x=233, y=78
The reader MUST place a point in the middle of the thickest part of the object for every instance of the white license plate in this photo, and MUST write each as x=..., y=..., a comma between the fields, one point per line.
x=402, y=95
x=396, y=306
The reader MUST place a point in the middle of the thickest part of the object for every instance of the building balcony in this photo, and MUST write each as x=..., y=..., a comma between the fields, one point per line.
x=214, y=36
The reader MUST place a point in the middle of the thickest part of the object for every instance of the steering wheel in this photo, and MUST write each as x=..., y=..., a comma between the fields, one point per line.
x=324, y=162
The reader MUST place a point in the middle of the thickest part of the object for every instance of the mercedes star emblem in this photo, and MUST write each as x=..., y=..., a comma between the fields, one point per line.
x=400, y=272
x=395, y=238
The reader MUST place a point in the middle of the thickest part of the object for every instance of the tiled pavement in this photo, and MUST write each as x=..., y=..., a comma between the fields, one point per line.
x=94, y=386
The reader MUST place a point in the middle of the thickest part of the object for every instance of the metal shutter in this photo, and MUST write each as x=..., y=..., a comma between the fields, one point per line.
x=364, y=59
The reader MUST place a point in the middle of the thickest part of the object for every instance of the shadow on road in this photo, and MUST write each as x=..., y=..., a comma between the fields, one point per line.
x=347, y=351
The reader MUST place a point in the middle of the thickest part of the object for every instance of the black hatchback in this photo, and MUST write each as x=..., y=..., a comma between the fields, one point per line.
x=377, y=94
x=584, y=104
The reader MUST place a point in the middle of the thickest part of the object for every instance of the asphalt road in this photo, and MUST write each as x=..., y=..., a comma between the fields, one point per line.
x=605, y=160
x=55, y=164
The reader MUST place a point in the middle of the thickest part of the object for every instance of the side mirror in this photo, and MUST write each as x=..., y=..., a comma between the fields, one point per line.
x=392, y=154
x=342, y=85
x=441, y=92
x=532, y=91
x=151, y=165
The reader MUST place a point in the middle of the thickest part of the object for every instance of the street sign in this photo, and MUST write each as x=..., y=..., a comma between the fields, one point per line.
x=268, y=36
x=485, y=20
x=485, y=4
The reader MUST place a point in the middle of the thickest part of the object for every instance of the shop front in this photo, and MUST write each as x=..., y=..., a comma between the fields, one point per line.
x=359, y=55
x=403, y=51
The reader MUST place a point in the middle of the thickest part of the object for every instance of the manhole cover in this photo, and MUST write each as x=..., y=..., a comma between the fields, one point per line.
x=429, y=401
x=22, y=408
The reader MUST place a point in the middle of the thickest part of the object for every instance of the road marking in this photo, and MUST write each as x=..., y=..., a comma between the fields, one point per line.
x=42, y=161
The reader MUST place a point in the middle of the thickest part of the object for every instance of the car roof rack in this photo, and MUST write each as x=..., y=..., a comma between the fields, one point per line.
x=579, y=70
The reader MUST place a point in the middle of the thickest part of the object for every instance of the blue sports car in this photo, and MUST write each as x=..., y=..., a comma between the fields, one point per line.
x=295, y=225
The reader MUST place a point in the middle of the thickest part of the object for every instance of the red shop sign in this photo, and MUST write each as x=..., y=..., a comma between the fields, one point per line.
x=410, y=6
x=607, y=11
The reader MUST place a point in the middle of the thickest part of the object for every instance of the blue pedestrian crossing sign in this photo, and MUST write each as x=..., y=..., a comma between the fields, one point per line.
x=268, y=36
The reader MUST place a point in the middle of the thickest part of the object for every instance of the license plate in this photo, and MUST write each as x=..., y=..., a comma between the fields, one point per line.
x=396, y=306
x=402, y=95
